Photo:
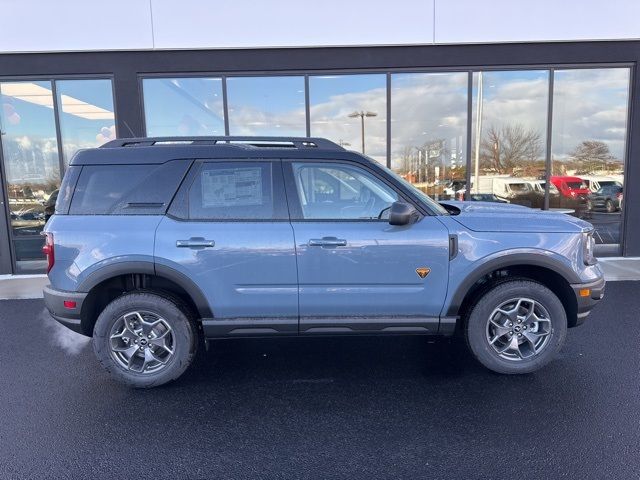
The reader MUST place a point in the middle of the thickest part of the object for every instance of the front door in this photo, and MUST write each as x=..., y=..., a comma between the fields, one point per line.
x=356, y=272
x=228, y=231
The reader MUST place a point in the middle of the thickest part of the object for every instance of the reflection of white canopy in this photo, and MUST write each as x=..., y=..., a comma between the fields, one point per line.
x=39, y=95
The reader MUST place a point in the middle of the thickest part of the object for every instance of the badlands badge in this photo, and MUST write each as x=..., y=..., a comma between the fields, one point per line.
x=423, y=271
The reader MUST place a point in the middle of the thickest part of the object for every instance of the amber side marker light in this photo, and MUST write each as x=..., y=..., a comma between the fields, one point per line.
x=585, y=292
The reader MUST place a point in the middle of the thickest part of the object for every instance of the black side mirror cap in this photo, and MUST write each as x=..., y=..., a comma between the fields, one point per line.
x=402, y=214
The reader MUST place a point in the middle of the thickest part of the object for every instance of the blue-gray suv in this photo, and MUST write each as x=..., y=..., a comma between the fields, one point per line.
x=158, y=245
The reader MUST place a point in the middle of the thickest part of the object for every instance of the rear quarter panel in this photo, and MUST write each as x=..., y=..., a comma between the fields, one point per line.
x=85, y=244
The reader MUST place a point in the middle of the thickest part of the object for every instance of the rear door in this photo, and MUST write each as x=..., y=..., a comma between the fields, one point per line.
x=358, y=273
x=228, y=230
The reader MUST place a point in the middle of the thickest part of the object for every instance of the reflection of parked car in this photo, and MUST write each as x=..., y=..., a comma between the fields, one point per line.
x=27, y=222
x=512, y=189
x=608, y=198
x=570, y=186
x=486, y=197
x=595, y=183
x=576, y=203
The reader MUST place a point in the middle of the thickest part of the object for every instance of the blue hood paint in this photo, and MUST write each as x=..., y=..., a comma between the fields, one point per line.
x=505, y=217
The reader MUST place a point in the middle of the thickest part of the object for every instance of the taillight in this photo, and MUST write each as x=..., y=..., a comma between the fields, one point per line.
x=48, y=251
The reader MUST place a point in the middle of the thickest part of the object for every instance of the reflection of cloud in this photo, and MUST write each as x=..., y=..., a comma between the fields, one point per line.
x=331, y=119
x=590, y=104
x=427, y=107
x=248, y=120
x=106, y=134
x=513, y=102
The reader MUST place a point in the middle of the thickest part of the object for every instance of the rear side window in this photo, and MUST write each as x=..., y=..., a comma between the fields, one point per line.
x=127, y=189
x=62, y=198
x=237, y=191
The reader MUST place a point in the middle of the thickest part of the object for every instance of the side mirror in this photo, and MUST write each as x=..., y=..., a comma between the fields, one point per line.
x=402, y=213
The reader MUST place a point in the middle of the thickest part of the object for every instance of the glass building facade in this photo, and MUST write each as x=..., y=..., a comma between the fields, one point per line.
x=554, y=136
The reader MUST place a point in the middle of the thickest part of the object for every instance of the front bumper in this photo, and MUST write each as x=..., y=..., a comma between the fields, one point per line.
x=69, y=317
x=586, y=303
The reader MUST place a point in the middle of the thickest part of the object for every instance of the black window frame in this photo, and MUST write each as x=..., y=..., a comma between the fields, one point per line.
x=179, y=208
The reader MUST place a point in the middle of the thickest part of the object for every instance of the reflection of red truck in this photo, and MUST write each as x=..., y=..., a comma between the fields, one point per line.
x=570, y=186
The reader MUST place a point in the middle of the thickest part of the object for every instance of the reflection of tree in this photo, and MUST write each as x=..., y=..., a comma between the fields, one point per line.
x=512, y=149
x=592, y=155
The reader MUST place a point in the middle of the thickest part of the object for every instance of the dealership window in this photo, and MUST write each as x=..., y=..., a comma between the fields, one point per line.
x=509, y=125
x=86, y=114
x=429, y=130
x=183, y=106
x=266, y=106
x=32, y=155
x=588, y=147
x=31, y=162
x=351, y=110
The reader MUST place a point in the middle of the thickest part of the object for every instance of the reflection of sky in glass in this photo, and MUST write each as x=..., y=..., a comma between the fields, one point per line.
x=266, y=106
x=183, y=106
x=428, y=110
x=29, y=136
x=90, y=129
x=590, y=104
x=512, y=98
x=333, y=97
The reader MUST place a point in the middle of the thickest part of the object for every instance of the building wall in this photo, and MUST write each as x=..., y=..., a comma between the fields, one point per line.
x=79, y=25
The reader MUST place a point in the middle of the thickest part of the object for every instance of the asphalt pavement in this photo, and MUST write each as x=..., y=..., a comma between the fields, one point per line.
x=392, y=407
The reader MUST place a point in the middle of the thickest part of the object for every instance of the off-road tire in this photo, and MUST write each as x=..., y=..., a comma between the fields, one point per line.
x=475, y=328
x=176, y=314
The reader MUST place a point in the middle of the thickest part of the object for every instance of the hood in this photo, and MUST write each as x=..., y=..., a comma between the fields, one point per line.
x=506, y=217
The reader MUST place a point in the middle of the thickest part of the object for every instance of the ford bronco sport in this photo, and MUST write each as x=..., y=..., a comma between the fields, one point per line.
x=160, y=244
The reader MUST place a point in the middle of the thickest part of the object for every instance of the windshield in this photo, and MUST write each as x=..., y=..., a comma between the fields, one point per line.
x=423, y=196
x=576, y=185
x=609, y=183
x=519, y=187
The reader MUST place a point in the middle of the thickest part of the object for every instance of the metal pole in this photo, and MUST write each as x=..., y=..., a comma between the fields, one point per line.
x=362, y=121
x=478, y=132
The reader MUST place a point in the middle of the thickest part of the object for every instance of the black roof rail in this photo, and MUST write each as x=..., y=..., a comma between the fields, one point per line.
x=264, y=142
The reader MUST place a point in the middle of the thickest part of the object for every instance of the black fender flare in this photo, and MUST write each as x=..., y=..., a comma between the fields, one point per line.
x=149, y=268
x=505, y=260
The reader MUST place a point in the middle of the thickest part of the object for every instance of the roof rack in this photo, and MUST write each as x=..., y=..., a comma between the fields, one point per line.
x=264, y=142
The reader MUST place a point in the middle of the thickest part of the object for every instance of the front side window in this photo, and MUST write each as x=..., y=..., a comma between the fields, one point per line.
x=332, y=191
x=235, y=191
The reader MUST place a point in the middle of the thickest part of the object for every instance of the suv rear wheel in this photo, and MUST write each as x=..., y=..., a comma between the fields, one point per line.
x=516, y=327
x=144, y=340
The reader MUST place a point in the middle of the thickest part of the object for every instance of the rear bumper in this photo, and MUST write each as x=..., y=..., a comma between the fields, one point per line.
x=586, y=303
x=69, y=317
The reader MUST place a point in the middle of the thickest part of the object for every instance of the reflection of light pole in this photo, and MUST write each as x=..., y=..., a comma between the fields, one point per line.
x=362, y=114
x=478, y=134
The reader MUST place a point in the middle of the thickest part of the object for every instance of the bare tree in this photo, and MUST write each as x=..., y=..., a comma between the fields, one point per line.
x=406, y=160
x=592, y=155
x=509, y=148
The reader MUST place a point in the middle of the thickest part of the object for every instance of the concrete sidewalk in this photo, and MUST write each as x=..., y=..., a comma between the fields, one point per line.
x=30, y=286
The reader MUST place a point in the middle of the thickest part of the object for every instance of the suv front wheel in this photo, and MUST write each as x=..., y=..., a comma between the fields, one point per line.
x=516, y=327
x=144, y=340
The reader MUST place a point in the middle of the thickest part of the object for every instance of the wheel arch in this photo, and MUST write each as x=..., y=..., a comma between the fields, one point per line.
x=541, y=268
x=108, y=283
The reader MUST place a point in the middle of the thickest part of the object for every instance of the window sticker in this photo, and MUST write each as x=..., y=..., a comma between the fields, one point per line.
x=232, y=187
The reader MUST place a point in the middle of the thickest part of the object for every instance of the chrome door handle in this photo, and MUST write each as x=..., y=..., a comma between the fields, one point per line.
x=327, y=242
x=195, y=242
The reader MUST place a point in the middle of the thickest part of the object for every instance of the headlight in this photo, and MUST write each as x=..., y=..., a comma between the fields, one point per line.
x=588, y=244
